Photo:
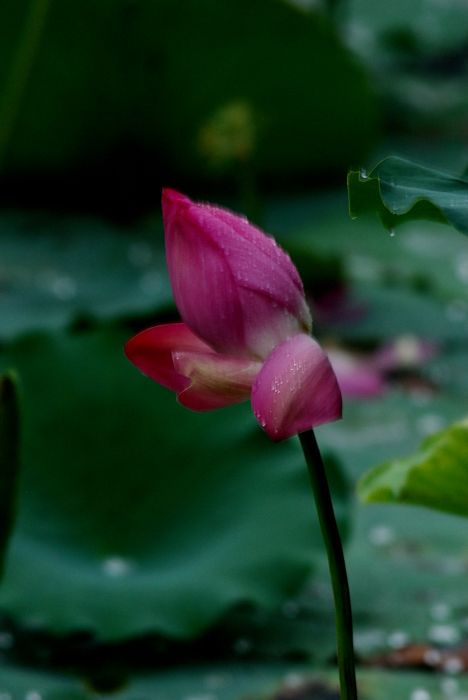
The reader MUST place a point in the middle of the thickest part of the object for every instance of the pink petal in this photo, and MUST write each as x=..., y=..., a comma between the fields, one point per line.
x=356, y=379
x=296, y=389
x=232, y=284
x=216, y=380
x=151, y=351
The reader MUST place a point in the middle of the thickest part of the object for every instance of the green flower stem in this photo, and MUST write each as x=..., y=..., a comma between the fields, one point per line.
x=20, y=68
x=336, y=562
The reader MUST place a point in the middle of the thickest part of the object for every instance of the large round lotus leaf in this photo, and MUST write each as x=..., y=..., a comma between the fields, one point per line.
x=137, y=514
x=56, y=269
x=231, y=682
x=155, y=73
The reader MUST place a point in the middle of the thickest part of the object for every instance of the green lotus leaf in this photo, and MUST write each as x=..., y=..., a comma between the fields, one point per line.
x=37, y=685
x=399, y=191
x=55, y=269
x=138, y=515
x=435, y=476
x=225, y=682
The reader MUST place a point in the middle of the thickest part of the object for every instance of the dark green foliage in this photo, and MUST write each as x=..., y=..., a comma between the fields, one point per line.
x=10, y=436
x=400, y=191
x=149, y=74
x=137, y=515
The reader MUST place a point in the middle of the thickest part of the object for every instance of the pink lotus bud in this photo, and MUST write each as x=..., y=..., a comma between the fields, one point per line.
x=246, y=324
x=233, y=285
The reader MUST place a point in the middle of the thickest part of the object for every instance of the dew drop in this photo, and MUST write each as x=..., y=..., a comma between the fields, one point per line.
x=429, y=423
x=116, y=567
x=453, y=665
x=381, y=535
x=440, y=611
x=392, y=232
x=443, y=634
x=397, y=639
x=293, y=680
x=420, y=694
x=64, y=288
x=432, y=657
x=32, y=695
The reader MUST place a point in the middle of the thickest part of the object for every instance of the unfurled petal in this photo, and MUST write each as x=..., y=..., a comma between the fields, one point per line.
x=233, y=286
x=215, y=380
x=152, y=352
x=296, y=389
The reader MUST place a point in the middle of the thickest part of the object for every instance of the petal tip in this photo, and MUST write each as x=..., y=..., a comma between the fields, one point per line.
x=173, y=200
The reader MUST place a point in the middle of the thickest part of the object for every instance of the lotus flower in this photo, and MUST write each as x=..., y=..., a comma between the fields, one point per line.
x=246, y=324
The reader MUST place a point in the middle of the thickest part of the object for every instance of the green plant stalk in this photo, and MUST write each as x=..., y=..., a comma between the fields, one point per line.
x=9, y=458
x=20, y=68
x=336, y=562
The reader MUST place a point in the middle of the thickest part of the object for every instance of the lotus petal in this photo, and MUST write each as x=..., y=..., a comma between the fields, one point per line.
x=216, y=380
x=151, y=351
x=296, y=389
x=233, y=285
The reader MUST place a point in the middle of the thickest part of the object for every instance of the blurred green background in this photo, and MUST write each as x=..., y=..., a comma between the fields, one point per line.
x=163, y=554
